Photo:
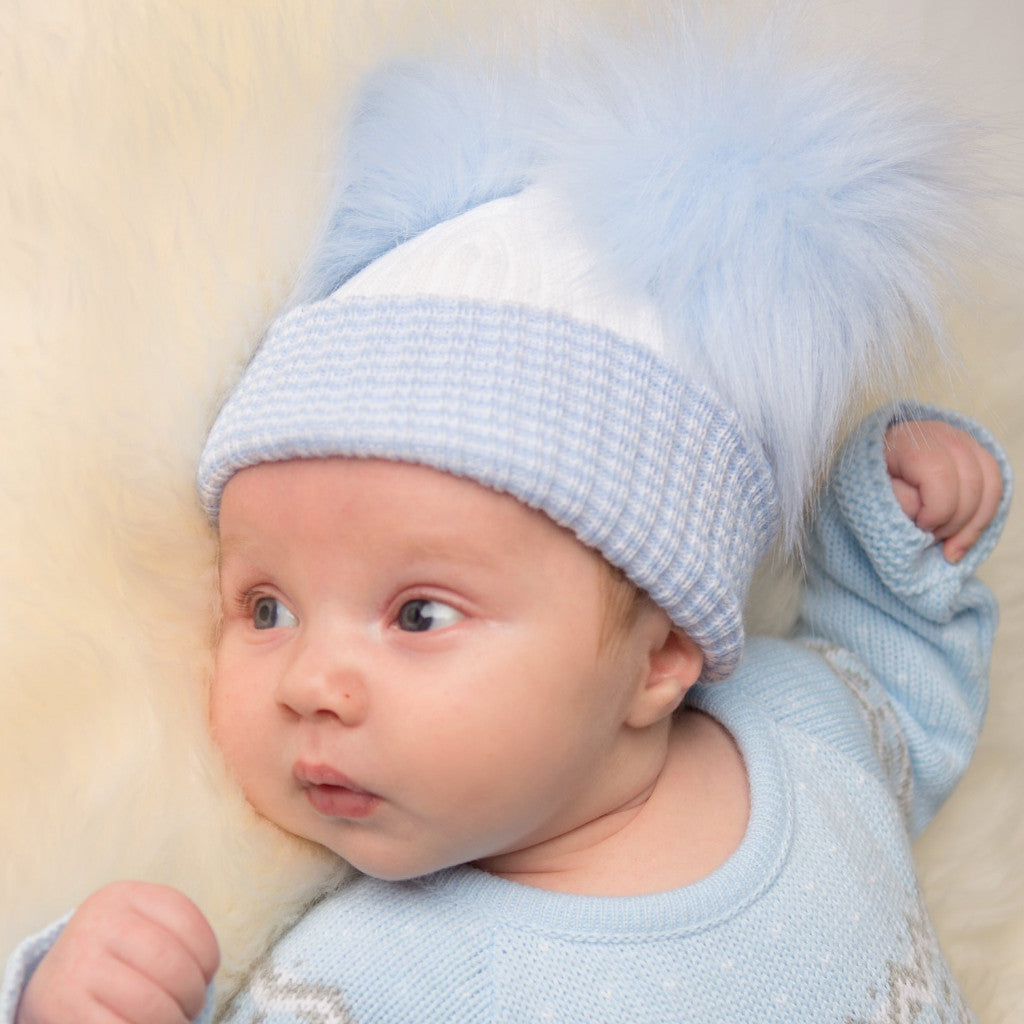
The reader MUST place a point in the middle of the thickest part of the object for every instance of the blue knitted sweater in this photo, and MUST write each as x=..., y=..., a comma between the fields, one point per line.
x=817, y=917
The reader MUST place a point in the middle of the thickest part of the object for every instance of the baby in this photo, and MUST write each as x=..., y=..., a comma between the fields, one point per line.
x=418, y=672
x=488, y=513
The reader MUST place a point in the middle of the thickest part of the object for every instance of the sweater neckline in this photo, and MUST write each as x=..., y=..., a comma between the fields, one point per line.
x=739, y=881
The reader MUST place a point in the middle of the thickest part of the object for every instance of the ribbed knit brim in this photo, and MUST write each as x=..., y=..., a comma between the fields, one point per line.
x=649, y=469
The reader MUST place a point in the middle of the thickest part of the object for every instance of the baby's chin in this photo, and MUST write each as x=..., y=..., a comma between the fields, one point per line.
x=394, y=860
x=400, y=870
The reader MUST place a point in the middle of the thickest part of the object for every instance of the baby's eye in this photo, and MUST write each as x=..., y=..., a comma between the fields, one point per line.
x=422, y=615
x=269, y=613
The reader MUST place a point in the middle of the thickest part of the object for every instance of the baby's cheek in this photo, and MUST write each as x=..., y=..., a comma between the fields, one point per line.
x=226, y=712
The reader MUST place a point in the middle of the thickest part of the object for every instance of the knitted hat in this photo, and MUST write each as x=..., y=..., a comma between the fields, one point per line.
x=640, y=299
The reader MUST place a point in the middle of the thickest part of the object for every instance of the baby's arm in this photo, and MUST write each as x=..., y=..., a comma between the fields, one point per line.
x=132, y=952
x=945, y=481
x=900, y=618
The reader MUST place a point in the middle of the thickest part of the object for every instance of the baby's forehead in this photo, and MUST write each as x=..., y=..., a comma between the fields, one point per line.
x=418, y=503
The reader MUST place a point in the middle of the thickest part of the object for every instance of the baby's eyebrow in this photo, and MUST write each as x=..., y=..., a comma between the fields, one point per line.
x=233, y=547
x=422, y=548
x=447, y=549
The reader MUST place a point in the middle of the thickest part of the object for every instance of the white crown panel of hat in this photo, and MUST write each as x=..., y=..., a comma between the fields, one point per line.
x=521, y=250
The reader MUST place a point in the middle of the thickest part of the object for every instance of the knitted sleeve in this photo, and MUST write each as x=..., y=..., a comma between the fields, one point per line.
x=907, y=632
x=21, y=966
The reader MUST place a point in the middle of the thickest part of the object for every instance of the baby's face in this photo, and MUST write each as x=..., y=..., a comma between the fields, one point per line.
x=410, y=671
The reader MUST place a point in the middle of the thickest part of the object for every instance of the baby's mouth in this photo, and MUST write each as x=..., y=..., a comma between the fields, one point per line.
x=333, y=794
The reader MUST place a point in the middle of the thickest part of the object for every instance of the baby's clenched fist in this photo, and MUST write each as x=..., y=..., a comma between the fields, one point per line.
x=132, y=952
x=944, y=480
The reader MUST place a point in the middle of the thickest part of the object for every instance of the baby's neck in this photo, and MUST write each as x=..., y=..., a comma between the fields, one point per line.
x=678, y=830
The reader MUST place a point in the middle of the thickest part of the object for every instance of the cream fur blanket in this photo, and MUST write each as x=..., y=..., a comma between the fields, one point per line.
x=161, y=162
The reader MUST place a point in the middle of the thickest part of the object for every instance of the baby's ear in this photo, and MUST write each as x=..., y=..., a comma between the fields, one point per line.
x=674, y=665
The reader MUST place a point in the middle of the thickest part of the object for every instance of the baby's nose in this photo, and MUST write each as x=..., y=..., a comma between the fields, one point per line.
x=323, y=681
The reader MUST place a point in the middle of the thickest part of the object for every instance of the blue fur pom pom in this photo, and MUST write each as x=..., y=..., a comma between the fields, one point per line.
x=794, y=221
x=798, y=222
x=427, y=141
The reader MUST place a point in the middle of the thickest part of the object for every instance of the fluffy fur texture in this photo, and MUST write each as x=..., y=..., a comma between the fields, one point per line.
x=793, y=219
x=426, y=142
x=163, y=165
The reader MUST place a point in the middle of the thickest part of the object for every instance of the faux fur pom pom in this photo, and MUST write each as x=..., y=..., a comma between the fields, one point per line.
x=796, y=221
x=427, y=141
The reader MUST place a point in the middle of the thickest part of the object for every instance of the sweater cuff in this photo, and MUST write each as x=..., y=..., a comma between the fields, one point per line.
x=22, y=965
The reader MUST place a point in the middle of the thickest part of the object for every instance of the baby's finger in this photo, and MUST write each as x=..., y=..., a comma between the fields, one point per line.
x=908, y=497
x=160, y=960
x=964, y=490
x=182, y=919
x=124, y=994
x=924, y=479
x=987, y=497
x=96, y=987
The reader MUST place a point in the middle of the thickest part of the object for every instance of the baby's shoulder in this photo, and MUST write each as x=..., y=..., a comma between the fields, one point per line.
x=812, y=686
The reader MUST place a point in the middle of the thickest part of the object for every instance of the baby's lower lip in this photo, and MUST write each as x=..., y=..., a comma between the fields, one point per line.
x=332, y=794
x=339, y=802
